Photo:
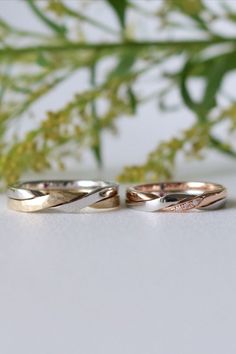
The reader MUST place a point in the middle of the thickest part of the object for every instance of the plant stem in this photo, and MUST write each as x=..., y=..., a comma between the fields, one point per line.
x=221, y=147
x=19, y=110
x=59, y=30
x=95, y=129
x=89, y=20
x=70, y=46
x=20, y=32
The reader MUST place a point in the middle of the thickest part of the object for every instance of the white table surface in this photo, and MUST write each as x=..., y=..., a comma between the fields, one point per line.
x=120, y=282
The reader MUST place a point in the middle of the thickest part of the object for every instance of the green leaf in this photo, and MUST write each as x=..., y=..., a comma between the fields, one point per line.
x=42, y=60
x=21, y=89
x=215, y=76
x=213, y=72
x=96, y=146
x=4, y=25
x=183, y=86
x=132, y=99
x=119, y=6
x=124, y=65
x=214, y=80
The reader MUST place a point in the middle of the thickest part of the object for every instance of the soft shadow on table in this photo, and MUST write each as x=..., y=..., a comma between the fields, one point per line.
x=80, y=212
x=231, y=204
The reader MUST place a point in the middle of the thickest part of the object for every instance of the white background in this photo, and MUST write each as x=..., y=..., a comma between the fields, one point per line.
x=121, y=282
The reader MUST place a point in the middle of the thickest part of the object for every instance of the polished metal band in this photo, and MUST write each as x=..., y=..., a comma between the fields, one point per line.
x=176, y=196
x=63, y=195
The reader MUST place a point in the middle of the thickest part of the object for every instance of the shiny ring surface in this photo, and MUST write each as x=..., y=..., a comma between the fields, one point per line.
x=176, y=196
x=63, y=195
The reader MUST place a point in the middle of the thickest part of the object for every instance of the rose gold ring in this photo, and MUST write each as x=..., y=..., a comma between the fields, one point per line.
x=176, y=196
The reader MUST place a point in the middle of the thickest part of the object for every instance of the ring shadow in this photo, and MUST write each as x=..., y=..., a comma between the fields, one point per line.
x=231, y=204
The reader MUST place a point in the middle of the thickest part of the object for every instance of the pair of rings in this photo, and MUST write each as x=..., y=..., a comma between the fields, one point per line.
x=74, y=196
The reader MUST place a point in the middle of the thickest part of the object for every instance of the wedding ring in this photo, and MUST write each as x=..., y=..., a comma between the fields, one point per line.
x=65, y=196
x=176, y=196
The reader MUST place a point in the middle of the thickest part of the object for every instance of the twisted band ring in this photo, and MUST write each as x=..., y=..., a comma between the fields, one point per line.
x=176, y=196
x=66, y=196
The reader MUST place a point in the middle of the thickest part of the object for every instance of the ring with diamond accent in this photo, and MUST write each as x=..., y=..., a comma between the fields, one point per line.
x=176, y=196
x=63, y=195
